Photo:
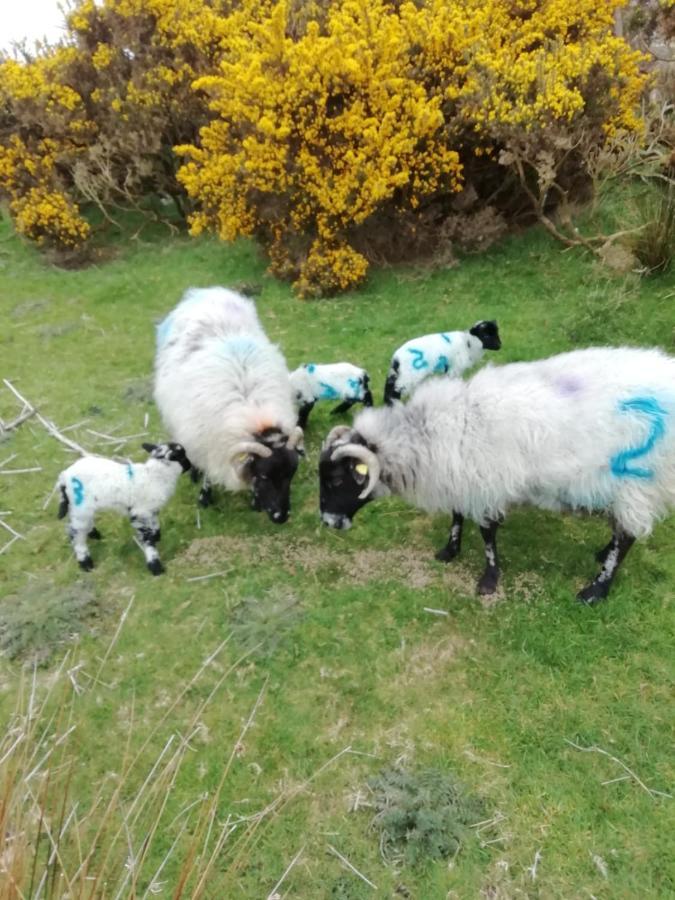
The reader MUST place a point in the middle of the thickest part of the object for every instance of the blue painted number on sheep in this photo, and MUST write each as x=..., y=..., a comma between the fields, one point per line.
x=327, y=391
x=419, y=362
x=78, y=491
x=442, y=365
x=650, y=409
x=355, y=386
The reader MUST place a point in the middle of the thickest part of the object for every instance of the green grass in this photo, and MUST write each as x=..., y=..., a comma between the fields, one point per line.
x=331, y=626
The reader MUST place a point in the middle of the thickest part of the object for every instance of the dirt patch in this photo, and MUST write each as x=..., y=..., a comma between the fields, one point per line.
x=409, y=565
x=430, y=658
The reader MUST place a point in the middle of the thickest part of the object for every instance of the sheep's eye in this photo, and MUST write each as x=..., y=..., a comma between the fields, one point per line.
x=262, y=477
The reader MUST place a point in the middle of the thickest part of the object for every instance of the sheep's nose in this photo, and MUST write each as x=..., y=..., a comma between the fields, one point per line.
x=278, y=517
x=336, y=521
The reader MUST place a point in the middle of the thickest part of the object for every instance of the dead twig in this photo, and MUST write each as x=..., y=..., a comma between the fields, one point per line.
x=46, y=423
x=594, y=749
x=533, y=868
x=346, y=862
x=273, y=893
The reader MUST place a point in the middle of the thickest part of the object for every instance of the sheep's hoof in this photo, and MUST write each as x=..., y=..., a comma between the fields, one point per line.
x=447, y=554
x=205, y=497
x=95, y=534
x=593, y=593
x=156, y=567
x=86, y=564
x=488, y=583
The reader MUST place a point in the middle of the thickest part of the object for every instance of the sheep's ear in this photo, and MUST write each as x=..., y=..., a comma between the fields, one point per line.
x=148, y=447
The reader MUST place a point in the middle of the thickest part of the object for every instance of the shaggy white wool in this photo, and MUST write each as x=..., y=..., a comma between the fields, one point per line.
x=219, y=380
x=589, y=429
x=446, y=353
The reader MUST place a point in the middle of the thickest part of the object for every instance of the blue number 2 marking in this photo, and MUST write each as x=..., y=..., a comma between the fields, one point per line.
x=78, y=491
x=419, y=362
x=655, y=415
x=328, y=392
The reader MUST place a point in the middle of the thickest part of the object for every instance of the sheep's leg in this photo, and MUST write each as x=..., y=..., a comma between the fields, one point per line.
x=490, y=577
x=206, y=494
x=454, y=545
x=303, y=414
x=196, y=475
x=148, y=534
x=342, y=407
x=77, y=535
x=614, y=555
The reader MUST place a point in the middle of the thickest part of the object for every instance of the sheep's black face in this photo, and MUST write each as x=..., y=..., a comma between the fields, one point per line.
x=271, y=482
x=171, y=451
x=391, y=390
x=340, y=484
x=488, y=334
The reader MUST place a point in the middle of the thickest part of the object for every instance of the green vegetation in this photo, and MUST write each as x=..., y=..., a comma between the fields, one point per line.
x=312, y=641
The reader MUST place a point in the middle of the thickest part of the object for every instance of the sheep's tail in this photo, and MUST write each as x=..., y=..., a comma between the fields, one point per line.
x=64, y=502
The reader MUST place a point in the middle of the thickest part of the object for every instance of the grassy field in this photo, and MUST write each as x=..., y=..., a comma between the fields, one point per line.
x=243, y=716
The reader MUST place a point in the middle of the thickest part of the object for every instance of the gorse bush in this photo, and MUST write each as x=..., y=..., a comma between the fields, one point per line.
x=314, y=126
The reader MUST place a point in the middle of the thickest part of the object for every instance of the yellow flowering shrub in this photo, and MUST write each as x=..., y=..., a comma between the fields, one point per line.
x=375, y=105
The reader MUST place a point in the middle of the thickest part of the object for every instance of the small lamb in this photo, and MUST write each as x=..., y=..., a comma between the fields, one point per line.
x=446, y=353
x=138, y=490
x=336, y=381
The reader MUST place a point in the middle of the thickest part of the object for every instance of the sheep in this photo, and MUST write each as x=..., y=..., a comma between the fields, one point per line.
x=223, y=391
x=138, y=490
x=591, y=430
x=337, y=381
x=447, y=353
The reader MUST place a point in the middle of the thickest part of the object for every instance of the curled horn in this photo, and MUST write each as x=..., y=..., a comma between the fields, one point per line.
x=295, y=440
x=335, y=434
x=358, y=451
x=253, y=447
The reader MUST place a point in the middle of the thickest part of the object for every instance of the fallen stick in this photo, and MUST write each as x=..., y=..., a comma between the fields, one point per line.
x=46, y=423
x=631, y=773
x=344, y=859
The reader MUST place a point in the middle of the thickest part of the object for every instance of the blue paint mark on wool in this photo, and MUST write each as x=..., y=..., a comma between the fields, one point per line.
x=648, y=408
x=419, y=362
x=239, y=345
x=311, y=368
x=446, y=338
x=130, y=471
x=78, y=491
x=164, y=330
x=442, y=365
x=355, y=387
x=328, y=392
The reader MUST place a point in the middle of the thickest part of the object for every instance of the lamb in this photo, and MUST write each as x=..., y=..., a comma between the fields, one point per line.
x=591, y=429
x=447, y=353
x=223, y=391
x=138, y=490
x=337, y=381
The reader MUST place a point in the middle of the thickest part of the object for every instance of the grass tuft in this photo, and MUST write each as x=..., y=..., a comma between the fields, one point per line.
x=40, y=618
x=655, y=244
x=422, y=815
x=263, y=624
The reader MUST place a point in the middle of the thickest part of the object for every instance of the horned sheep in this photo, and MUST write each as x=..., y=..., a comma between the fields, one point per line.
x=139, y=490
x=445, y=353
x=223, y=392
x=591, y=429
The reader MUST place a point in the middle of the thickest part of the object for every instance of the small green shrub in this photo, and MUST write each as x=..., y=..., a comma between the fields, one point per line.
x=39, y=619
x=262, y=624
x=655, y=243
x=422, y=815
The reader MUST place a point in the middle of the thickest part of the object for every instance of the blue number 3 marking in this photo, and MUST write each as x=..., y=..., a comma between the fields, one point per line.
x=78, y=491
x=655, y=415
x=419, y=362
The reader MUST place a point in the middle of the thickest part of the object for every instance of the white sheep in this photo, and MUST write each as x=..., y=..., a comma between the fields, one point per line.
x=138, y=490
x=223, y=391
x=446, y=353
x=335, y=381
x=591, y=429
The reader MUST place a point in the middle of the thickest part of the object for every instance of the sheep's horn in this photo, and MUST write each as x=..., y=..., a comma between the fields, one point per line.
x=295, y=439
x=358, y=451
x=254, y=447
x=335, y=434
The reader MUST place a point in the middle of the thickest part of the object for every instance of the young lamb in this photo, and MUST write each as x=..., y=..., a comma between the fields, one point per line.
x=447, y=353
x=591, y=429
x=223, y=391
x=337, y=381
x=138, y=490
